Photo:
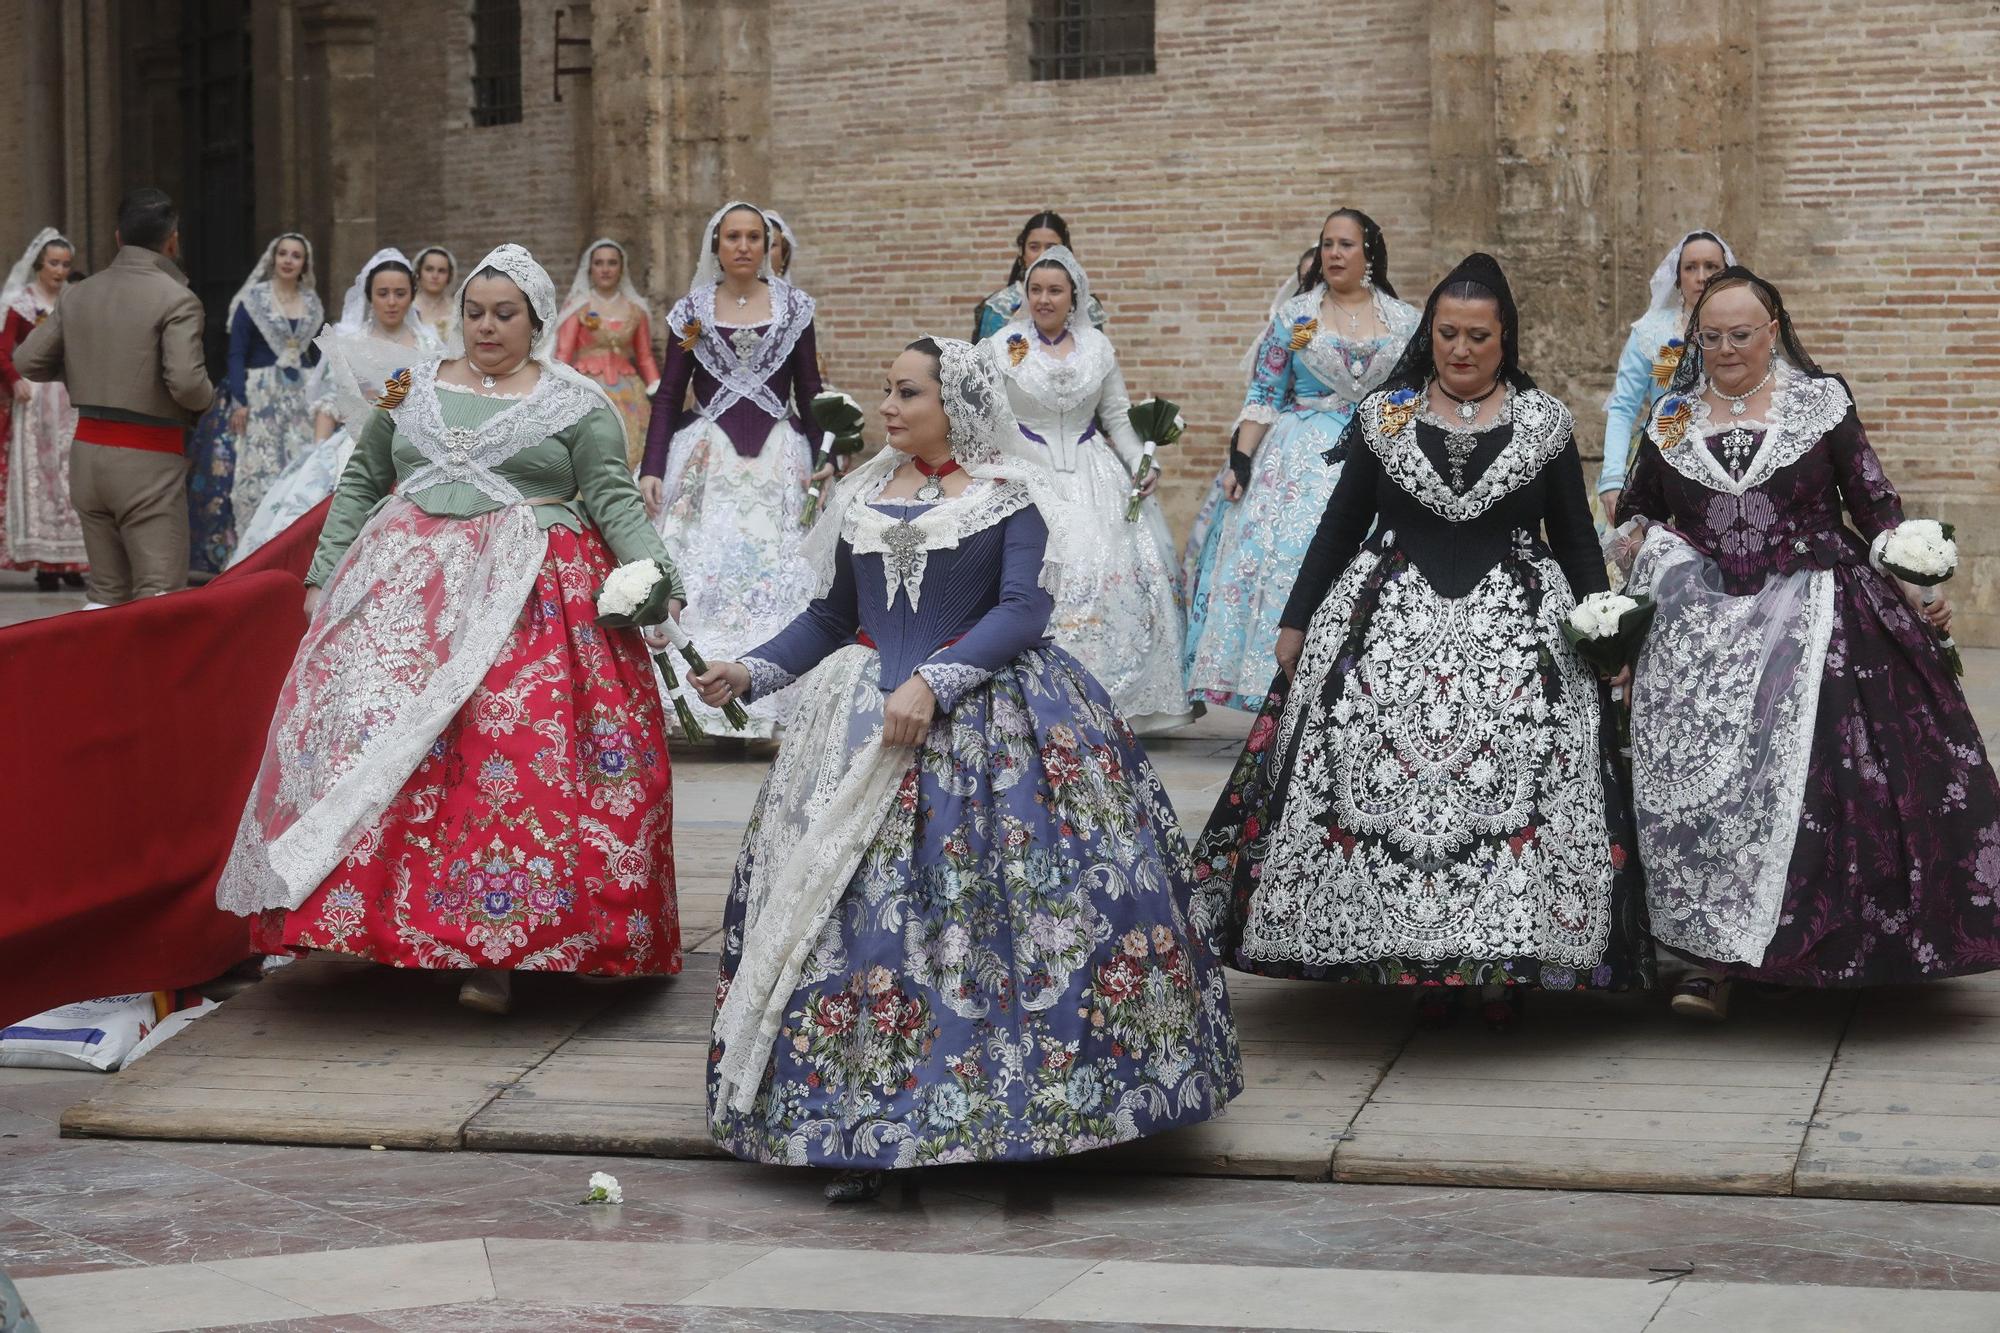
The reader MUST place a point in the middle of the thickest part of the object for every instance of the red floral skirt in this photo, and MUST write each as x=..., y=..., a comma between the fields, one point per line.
x=537, y=835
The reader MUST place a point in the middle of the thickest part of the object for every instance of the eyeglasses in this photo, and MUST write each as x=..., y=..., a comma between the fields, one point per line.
x=1711, y=339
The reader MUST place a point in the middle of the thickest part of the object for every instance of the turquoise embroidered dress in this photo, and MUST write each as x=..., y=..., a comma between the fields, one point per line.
x=1243, y=556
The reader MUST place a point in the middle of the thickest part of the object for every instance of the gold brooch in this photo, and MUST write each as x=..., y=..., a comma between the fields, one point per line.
x=1017, y=349
x=591, y=320
x=1398, y=410
x=1668, y=361
x=394, y=390
x=691, y=335
x=1303, y=332
x=1676, y=415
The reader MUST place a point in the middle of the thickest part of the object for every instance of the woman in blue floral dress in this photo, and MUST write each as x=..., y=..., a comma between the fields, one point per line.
x=1327, y=348
x=959, y=926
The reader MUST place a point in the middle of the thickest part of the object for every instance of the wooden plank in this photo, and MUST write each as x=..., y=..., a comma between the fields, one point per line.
x=1400, y=1087
x=1594, y=1164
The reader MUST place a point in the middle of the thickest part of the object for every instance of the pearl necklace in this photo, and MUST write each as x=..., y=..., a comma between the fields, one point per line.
x=489, y=381
x=1740, y=403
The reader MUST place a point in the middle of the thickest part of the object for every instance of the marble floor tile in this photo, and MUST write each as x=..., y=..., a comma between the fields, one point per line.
x=575, y=1272
x=1334, y=1299
x=892, y=1283
x=150, y=1300
x=1727, y=1307
x=391, y=1277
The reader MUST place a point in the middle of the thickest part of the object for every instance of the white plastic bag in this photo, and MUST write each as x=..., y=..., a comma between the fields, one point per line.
x=168, y=1026
x=90, y=1034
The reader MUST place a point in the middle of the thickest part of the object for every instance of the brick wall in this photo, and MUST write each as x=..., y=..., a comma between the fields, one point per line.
x=907, y=158
x=1879, y=155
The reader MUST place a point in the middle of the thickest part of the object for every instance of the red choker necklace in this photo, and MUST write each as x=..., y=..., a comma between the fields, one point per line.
x=931, y=491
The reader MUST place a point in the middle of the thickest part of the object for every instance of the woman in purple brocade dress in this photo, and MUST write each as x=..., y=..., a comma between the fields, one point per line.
x=958, y=930
x=1815, y=807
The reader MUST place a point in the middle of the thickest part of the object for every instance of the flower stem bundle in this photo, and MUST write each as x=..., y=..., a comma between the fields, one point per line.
x=1158, y=422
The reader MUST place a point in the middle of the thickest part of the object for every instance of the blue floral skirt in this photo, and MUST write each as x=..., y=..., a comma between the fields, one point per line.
x=1011, y=973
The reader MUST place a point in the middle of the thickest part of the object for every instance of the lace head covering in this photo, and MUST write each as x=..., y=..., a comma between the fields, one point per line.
x=417, y=265
x=1059, y=256
x=514, y=263
x=707, y=267
x=1691, y=373
x=582, y=291
x=1417, y=365
x=780, y=227
x=986, y=441
x=22, y=275
x=1666, y=280
x=262, y=272
x=356, y=315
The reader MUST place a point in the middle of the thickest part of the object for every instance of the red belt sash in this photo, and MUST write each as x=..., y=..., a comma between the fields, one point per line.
x=130, y=435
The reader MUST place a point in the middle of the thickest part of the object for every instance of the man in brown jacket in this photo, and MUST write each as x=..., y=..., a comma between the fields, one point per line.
x=127, y=343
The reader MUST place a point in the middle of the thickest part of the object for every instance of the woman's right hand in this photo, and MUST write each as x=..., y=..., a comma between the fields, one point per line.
x=654, y=492
x=314, y=596
x=1232, y=489
x=1291, y=645
x=238, y=420
x=23, y=391
x=722, y=682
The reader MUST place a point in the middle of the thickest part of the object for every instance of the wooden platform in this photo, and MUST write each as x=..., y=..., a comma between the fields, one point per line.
x=1890, y=1096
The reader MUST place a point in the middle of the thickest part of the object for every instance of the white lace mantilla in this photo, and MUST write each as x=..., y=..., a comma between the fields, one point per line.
x=1803, y=409
x=1397, y=836
x=1723, y=706
x=285, y=336
x=1542, y=428
x=1063, y=383
x=905, y=543
x=1329, y=356
x=474, y=455
x=739, y=375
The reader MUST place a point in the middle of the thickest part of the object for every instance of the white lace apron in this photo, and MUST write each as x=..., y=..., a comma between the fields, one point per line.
x=413, y=618
x=830, y=790
x=1723, y=703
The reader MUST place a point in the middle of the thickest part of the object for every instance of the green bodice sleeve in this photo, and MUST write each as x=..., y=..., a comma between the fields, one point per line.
x=578, y=476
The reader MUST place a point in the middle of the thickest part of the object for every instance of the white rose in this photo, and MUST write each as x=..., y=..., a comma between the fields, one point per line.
x=1919, y=546
x=627, y=588
x=604, y=1189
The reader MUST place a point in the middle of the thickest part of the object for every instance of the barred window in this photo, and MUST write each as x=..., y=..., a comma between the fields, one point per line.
x=1089, y=39
x=496, y=62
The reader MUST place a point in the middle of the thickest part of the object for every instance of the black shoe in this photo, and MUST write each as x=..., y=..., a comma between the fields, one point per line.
x=855, y=1186
x=1502, y=1014
x=47, y=582
x=1438, y=1007
x=72, y=580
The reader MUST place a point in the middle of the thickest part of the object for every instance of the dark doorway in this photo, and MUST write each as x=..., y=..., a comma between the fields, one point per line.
x=219, y=212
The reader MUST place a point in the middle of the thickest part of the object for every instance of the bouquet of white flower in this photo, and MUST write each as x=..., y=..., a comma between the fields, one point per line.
x=631, y=596
x=1606, y=629
x=1159, y=423
x=604, y=1188
x=839, y=419
x=1923, y=552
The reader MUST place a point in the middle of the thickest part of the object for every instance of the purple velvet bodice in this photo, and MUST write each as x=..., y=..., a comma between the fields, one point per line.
x=1790, y=521
x=981, y=606
x=795, y=381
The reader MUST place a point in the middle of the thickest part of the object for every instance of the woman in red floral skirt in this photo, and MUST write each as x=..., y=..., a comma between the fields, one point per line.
x=466, y=771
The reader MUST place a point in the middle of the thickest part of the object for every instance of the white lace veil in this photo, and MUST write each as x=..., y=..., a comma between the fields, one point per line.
x=519, y=267
x=22, y=274
x=777, y=224
x=582, y=291
x=1665, y=283
x=417, y=264
x=707, y=268
x=355, y=316
x=262, y=272
x=986, y=441
x=1060, y=256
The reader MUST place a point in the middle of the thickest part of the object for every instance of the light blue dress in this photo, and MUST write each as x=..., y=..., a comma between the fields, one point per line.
x=1655, y=341
x=1242, y=557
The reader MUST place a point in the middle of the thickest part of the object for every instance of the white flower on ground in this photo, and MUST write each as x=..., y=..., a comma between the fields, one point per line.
x=603, y=1185
x=1597, y=616
x=627, y=588
x=1919, y=546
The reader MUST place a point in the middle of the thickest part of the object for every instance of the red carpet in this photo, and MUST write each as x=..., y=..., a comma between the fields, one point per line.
x=131, y=740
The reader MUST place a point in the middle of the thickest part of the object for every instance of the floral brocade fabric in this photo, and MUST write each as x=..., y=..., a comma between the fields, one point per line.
x=537, y=835
x=1011, y=974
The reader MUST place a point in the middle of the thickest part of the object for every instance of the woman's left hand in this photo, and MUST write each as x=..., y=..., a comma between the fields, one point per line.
x=907, y=714
x=1938, y=613
x=656, y=635
x=1622, y=680
x=1150, y=484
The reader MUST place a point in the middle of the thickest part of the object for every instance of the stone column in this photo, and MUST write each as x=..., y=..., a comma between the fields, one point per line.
x=41, y=184
x=631, y=60
x=721, y=119
x=90, y=117
x=339, y=41
x=1465, y=165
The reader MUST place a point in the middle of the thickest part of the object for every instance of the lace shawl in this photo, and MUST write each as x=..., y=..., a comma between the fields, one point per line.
x=1803, y=408
x=1542, y=428
x=738, y=376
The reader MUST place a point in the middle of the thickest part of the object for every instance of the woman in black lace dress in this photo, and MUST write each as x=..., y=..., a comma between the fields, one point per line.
x=1429, y=796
